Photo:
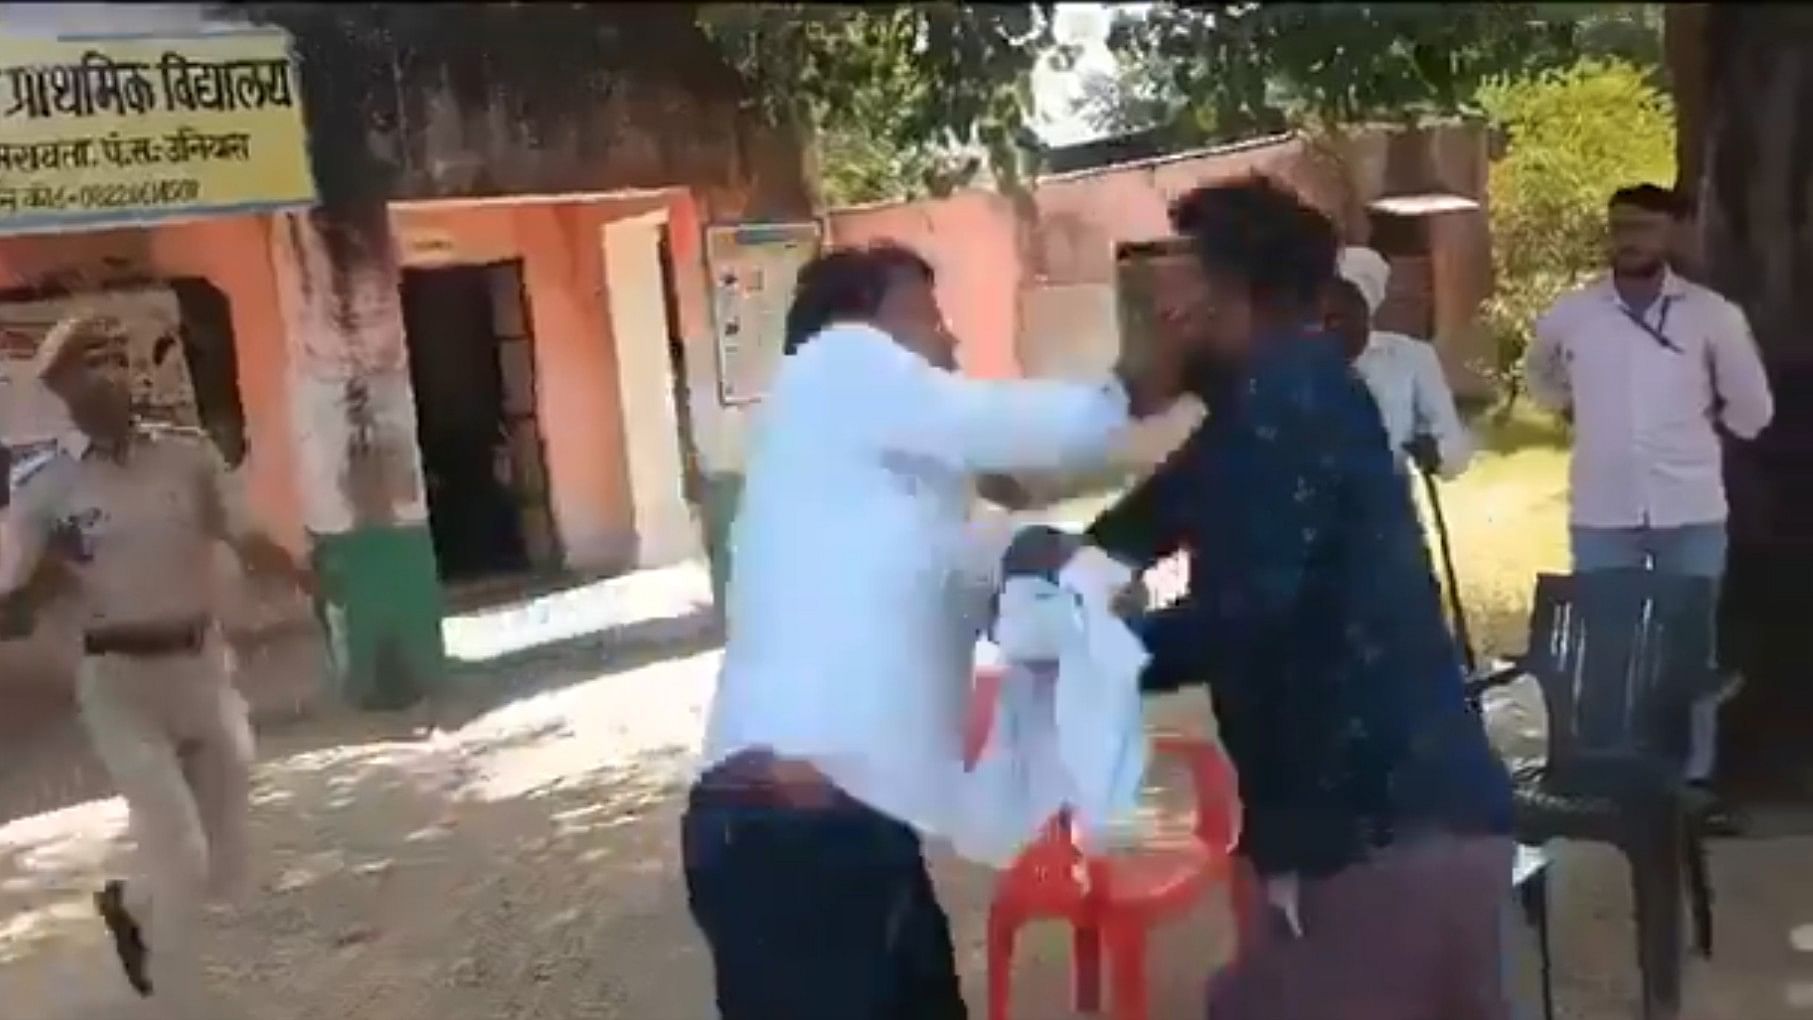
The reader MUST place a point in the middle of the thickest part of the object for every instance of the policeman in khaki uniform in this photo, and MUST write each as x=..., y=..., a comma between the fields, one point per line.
x=136, y=511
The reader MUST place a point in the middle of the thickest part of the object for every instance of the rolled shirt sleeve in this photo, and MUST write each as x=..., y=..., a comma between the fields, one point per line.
x=1545, y=369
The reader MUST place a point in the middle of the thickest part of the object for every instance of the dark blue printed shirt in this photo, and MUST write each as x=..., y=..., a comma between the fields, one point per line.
x=1313, y=616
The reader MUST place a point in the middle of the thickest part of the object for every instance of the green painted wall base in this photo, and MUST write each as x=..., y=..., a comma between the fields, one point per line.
x=381, y=609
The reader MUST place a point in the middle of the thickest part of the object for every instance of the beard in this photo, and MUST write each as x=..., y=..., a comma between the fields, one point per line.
x=1639, y=266
x=1207, y=375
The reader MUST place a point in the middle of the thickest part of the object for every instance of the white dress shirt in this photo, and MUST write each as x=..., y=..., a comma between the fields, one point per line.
x=1073, y=740
x=848, y=646
x=1406, y=379
x=1646, y=453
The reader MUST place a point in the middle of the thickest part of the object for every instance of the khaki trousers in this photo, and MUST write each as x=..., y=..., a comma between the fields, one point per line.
x=175, y=737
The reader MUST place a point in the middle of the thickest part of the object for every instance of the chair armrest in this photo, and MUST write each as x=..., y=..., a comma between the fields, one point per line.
x=1217, y=787
x=1499, y=673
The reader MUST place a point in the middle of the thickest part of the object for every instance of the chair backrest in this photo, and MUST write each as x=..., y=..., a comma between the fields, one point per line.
x=1621, y=656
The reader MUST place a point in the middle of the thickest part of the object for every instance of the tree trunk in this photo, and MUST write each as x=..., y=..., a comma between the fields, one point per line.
x=1756, y=226
x=1684, y=48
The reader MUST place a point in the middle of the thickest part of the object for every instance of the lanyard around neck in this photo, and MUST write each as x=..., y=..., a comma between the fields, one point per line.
x=1657, y=332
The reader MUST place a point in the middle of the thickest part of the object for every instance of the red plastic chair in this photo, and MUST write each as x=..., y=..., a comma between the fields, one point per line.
x=1111, y=902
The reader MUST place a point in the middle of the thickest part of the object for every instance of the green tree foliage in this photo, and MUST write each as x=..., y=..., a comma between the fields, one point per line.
x=1233, y=70
x=902, y=100
x=1573, y=136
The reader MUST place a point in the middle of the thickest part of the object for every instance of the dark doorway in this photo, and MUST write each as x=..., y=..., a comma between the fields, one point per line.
x=692, y=482
x=457, y=367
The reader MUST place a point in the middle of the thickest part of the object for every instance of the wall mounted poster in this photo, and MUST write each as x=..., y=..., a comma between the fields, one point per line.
x=753, y=268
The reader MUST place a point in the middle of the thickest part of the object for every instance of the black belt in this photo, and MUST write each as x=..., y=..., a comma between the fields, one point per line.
x=146, y=641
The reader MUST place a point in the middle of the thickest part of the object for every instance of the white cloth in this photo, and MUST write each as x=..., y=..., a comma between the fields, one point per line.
x=1068, y=730
x=1646, y=453
x=1406, y=379
x=1367, y=270
x=846, y=645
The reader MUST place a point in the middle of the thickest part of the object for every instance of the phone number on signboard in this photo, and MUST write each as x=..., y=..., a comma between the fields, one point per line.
x=177, y=191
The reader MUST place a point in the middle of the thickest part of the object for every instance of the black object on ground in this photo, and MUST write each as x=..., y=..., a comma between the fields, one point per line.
x=128, y=941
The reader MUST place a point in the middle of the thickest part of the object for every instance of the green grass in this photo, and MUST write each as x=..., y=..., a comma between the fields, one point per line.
x=1507, y=517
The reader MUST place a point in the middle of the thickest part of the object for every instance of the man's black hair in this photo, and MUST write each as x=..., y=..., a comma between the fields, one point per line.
x=1259, y=231
x=1653, y=198
x=847, y=283
x=1341, y=288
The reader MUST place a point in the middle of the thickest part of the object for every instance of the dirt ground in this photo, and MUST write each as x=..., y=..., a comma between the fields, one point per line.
x=510, y=852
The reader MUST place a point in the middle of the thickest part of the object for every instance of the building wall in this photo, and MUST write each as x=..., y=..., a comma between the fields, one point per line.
x=485, y=100
x=1082, y=217
x=560, y=245
x=1035, y=291
x=278, y=664
x=453, y=101
x=231, y=254
x=972, y=240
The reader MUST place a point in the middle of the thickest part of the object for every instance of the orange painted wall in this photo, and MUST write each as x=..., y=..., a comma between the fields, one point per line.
x=971, y=241
x=575, y=373
x=583, y=431
x=1083, y=216
x=560, y=245
x=233, y=254
x=988, y=258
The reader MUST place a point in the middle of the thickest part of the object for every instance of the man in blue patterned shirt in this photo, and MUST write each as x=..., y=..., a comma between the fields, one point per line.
x=1376, y=816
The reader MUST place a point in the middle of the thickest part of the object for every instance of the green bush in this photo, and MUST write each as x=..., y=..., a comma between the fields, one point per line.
x=1573, y=137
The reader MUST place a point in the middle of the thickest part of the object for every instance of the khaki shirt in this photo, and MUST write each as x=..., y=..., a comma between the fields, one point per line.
x=139, y=534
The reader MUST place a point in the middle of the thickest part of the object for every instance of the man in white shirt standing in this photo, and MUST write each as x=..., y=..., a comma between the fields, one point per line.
x=834, y=739
x=1651, y=368
x=1403, y=373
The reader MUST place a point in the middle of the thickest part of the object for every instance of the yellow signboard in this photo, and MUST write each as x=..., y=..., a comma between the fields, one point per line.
x=107, y=131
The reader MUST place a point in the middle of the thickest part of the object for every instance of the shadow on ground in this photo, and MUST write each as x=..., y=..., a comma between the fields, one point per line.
x=512, y=853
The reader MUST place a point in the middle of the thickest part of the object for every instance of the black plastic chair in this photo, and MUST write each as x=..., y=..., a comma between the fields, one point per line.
x=1621, y=656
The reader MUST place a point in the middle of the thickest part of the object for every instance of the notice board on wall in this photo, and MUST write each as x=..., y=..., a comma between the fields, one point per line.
x=753, y=268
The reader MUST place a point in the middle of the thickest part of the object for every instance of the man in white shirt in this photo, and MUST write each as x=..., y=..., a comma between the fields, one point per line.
x=1403, y=373
x=1651, y=368
x=835, y=738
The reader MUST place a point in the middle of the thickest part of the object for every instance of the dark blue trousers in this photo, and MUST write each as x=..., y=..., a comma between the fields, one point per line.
x=816, y=913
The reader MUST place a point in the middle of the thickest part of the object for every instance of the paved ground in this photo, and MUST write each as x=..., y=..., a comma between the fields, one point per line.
x=509, y=853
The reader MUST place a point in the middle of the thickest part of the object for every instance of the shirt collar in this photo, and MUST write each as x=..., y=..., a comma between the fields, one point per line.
x=1673, y=287
x=76, y=445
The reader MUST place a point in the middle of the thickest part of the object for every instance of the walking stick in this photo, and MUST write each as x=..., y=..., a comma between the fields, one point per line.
x=1454, y=600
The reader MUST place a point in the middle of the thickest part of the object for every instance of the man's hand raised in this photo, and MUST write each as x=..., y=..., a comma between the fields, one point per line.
x=1152, y=373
